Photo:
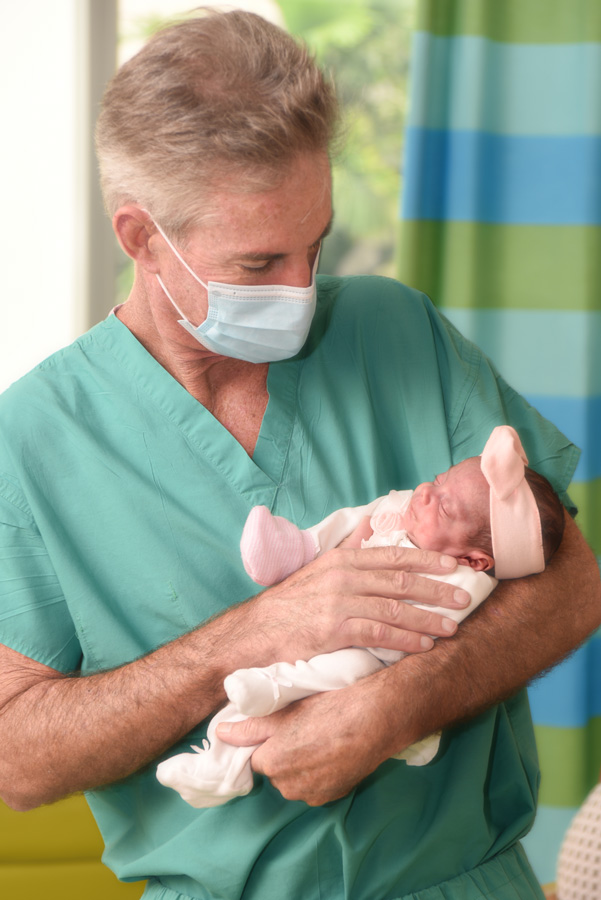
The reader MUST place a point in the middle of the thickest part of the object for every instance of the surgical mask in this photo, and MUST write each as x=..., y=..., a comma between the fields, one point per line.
x=256, y=323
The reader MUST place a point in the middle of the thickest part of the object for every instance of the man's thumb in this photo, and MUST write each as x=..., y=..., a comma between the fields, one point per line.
x=246, y=733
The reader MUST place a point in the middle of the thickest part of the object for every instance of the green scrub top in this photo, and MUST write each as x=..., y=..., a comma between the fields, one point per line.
x=122, y=501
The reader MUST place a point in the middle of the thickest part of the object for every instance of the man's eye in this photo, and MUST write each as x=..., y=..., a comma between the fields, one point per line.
x=259, y=266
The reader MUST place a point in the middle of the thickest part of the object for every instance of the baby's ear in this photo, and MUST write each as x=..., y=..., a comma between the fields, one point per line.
x=477, y=560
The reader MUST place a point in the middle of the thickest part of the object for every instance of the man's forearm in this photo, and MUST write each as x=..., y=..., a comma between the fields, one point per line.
x=62, y=734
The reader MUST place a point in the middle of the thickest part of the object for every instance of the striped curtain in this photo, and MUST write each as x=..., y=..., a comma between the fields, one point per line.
x=500, y=226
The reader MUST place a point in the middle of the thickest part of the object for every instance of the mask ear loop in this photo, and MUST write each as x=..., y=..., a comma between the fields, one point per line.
x=170, y=298
x=183, y=262
x=179, y=256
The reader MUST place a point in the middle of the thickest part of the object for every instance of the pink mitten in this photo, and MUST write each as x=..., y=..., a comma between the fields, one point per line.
x=272, y=547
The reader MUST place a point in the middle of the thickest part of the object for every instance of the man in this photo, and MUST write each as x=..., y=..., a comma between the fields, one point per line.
x=130, y=460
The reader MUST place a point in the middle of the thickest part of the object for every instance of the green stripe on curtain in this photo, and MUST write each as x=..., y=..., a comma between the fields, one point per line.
x=566, y=785
x=556, y=267
x=517, y=21
x=587, y=497
x=501, y=227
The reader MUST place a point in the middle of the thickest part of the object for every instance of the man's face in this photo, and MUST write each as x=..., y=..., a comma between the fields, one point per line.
x=271, y=237
x=444, y=512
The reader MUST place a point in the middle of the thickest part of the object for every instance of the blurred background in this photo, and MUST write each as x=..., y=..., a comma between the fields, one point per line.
x=471, y=170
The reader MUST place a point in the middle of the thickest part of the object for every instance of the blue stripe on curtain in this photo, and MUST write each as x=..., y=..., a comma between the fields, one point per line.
x=500, y=224
x=471, y=175
x=558, y=700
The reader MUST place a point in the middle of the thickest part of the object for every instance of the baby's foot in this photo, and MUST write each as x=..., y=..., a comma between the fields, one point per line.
x=203, y=779
x=272, y=547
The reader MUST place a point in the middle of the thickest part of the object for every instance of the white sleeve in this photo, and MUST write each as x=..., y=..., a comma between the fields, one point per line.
x=328, y=533
x=262, y=691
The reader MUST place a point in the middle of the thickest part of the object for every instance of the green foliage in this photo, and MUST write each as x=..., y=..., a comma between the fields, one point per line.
x=365, y=44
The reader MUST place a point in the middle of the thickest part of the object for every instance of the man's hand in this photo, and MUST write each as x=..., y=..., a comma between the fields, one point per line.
x=354, y=598
x=313, y=750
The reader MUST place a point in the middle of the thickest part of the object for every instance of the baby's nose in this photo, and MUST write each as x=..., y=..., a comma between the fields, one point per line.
x=426, y=493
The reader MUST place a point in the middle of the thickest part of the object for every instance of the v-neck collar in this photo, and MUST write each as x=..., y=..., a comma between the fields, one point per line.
x=258, y=477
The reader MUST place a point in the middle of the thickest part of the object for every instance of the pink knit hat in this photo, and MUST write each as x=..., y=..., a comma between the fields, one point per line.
x=515, y=527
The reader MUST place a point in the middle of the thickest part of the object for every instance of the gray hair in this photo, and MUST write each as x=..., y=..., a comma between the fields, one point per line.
x=225, y=100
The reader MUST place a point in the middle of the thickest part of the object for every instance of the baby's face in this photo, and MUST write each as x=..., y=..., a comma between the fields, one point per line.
x=444, y=512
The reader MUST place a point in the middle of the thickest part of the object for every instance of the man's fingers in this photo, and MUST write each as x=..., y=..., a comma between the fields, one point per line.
x=397, y=626
x=391, y=583
x=406, y=558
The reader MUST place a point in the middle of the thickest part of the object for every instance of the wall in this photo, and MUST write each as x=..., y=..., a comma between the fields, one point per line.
x=50, y=75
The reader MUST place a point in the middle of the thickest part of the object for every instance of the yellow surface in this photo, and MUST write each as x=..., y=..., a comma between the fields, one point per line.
x=54, y=852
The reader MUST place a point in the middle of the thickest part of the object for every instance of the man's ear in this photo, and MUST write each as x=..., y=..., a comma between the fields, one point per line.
x=134, y=229
x=477, y=560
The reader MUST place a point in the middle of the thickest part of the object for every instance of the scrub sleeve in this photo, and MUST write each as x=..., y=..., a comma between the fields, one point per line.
x=122, y=502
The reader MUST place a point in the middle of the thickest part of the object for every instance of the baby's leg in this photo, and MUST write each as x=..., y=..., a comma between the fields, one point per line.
x=261, y=691
x=213, y=775
x=273, y=548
